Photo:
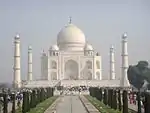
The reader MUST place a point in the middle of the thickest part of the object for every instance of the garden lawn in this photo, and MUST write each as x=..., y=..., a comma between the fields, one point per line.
x=41, y=107
x=101, y=106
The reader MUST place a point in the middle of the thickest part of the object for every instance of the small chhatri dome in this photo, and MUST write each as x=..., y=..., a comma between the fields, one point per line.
x=112, y=47
x=54, y=48
x=71, y=38
x=124, y=35
x=17, y=36
x=43, y=53
x=30, y=47
x=88, y=47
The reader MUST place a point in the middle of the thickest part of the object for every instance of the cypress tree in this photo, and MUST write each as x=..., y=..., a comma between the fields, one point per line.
x=147, y=103
x=105, y=97
x=115, y=100
x=125, y=102
x=32, y=100
x=28, y=101
x=13, y=103
x=47, y=92
x=100, y=94
x=53, y=91
x=109, y=97
x=139, y=101
x=24, y=105
x=97, y=93
x=5, y=104
x=90, y=90
x=119, y=100
x=38, y=96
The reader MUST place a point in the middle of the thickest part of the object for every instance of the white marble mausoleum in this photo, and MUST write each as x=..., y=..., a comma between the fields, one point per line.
x=72, y=58
x=72, y=61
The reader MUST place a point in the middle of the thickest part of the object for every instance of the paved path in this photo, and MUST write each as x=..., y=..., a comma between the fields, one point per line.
x=134, y=107
x=69, y=104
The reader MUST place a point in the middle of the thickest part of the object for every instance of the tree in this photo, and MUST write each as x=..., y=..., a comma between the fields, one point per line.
x=139, y=75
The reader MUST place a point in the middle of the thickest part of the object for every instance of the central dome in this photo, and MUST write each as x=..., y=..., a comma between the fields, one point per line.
x=71, y=38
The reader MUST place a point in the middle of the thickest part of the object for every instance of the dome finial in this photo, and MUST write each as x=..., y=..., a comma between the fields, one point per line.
x=70, y=20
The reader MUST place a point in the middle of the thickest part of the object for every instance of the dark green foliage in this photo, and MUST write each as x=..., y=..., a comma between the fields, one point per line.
x=52, y=92
x=119, y=100
x=92, y=92
x=101, y=106
x=125, y=102
x=137, y=74
x=100, y=94
x=109, y=97
x=46, y=92
x=147, y=103
x=13, y=103
x=5, y=103
x=105, y=97
x=59, y=87
x=42, y=94
x=38, y=96
x=28, y=101
x=32, y=99
x=139, y=101
x=114, y=99
x=24, y=105
x=97, y=93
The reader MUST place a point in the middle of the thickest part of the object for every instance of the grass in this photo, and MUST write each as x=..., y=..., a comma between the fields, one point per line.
x=41, y=107
x=102, y=107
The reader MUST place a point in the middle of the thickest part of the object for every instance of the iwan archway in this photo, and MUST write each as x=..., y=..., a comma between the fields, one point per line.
x=71, y=70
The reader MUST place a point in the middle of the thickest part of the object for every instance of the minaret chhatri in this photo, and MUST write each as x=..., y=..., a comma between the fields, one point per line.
x=124, y=81
x=29, y=77
x=17, y=73
x=112, y=64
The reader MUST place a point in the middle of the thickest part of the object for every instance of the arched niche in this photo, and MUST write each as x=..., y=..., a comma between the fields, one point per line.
x=89, y=64
x=97, y=64
x=89, y=75
x=71, y=70
x=98, y=75
x=53, y=75
x=53, y=64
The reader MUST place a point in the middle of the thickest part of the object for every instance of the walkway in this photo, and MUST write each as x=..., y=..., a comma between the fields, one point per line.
x=68, y=104
x=134, y=107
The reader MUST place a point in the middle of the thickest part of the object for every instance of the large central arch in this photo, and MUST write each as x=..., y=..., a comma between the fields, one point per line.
x=71, y=70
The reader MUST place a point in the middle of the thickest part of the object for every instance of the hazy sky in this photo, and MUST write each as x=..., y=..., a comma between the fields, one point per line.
x=103, y=22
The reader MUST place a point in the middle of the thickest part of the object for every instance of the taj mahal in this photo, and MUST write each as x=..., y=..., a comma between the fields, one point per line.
x=72, y=58
x=71, y=62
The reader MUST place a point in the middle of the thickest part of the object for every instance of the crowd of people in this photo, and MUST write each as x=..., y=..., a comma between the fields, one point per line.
x=18, y=98
x=72, y=90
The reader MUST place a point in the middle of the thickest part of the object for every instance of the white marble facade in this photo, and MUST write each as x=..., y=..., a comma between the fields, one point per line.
x=72, y=58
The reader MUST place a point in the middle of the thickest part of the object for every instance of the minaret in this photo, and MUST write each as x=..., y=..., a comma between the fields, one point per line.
x=124, y=81
x=48, y=73
x=17, y=74
x=29, y=77
x=44, y=66
x=112, y=64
